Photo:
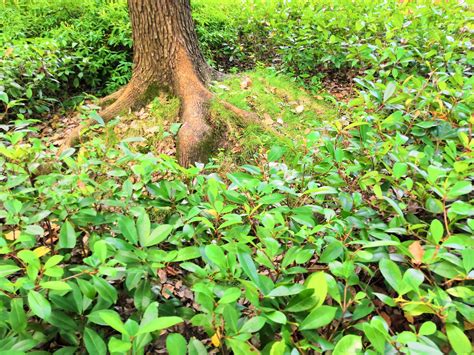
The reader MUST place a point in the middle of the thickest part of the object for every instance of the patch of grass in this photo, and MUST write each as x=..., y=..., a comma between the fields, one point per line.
x=286, y=111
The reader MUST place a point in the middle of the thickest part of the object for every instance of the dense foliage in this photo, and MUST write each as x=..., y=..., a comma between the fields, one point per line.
x=354, y=237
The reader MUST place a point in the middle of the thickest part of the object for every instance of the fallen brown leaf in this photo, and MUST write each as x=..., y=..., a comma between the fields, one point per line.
x=416, y=249
x=299, y=109
x=245, y=83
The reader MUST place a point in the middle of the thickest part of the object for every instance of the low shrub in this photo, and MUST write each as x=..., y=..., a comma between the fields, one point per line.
x=353, y=235
x=362, y=242
x=304, y=39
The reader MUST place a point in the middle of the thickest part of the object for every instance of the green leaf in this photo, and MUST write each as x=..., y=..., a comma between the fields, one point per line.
x=278, y=348
x=399, y=170
x=112, y=319
x=468, y=259
x=128, y=229
x=100, y=250
x=230, y=295
x=389, y=91
x=302, y=302
x=188, y=253
x=395, y=206
x=323, y=190
x=412, y=278
x=195, y=347
x=436, y=230
x=119, y=346
x=105, y=290
x=460, y=188
x=67, y=236
x=216, y=255
x=275, y=153
x=94, y=343
x=253, y=325
x=434, y=205
x=251, y=271
x=159, y=324
x=277, y=317
x=29, y=93
x=461, y=208
x=17, y=316
x=283, y=291
x=303, y=216
x=435, y=172
x=332, y=252
x=39, y=305
x=56, y=285
x=4, y=97
x=427, y=328
x=176, y=344
x=143, y=228
x=6, y=270
x=318, y=283
x=349, y=344
x=319, y=317
x=158, y=235
x=391, y=273
x=52, y=261
x=458, y=340
x=376, y=337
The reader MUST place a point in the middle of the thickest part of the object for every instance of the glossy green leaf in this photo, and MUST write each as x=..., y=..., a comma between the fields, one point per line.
x=67, y=236
x=39, y=305
x=176, y=344
x=391, y=273
x=158, y=235
x=159, y=324
x=436, y=230
x=6, y=270
x=128, y=229
x=94, y=343
x=458, y=340
x=349, y=344
x=253, y=325
x=319, y=317
x=318, y=283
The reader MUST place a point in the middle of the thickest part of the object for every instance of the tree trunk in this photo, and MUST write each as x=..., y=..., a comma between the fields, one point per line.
x=167, y=57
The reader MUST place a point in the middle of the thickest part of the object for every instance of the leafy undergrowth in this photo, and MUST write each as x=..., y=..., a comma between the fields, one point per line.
x=354, y=238
x=51, y=52
x=340, y=226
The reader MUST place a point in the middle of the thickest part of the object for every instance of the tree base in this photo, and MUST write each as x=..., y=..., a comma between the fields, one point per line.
x=197, y=138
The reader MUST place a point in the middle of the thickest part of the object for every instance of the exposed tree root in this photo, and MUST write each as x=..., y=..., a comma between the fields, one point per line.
x=196, y=139
x=246, y=116
x=126, y=98
x=130, y=97
x=112, y=97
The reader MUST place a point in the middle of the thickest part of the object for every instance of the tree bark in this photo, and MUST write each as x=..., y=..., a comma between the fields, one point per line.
x=167, y=57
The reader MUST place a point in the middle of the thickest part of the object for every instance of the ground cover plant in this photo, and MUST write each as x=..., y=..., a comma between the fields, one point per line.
x=343, y=225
